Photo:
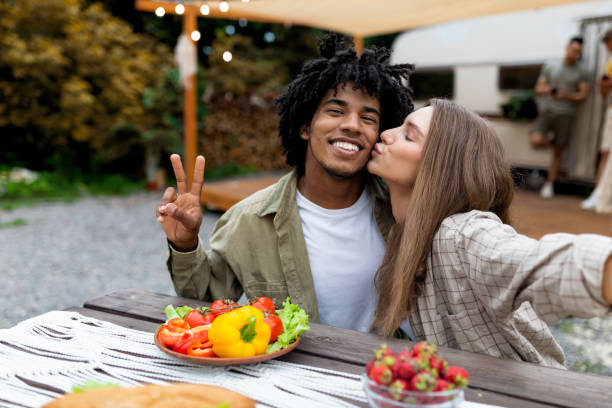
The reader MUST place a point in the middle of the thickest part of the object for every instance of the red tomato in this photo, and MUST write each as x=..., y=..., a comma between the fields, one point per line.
x=195, y=318
x=264, y=304
x=276, y=325
x=220, y=306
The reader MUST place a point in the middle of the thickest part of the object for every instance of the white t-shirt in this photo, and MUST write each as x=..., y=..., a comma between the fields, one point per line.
x=345, y=249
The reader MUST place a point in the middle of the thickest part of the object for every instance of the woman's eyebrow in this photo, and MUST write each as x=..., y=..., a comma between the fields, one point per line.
x=416, y=128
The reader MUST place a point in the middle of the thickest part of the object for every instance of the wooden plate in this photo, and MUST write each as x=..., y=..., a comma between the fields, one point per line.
x=218, y=361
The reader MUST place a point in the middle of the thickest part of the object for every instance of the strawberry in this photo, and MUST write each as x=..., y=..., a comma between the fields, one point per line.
x=438, y=364
x=457, y=375
x=443, y=385
x=381, y=374
x=421, y=363
x=369, y=366
x=424, y=382
x=383, y=351
x=408, y=369
x=397, y=387
x=395, y=365
x=405, y=354
x=424, y=349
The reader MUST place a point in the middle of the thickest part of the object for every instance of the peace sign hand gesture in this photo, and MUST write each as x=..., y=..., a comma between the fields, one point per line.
x=180, y=213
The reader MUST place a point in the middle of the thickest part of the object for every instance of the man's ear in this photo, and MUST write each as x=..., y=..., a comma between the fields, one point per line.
x=305, y=132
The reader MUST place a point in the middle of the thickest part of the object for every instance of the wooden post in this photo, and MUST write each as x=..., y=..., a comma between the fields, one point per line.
x=189, y=107
x=358, y=44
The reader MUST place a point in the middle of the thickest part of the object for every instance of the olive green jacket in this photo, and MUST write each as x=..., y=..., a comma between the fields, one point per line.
x=258, y=247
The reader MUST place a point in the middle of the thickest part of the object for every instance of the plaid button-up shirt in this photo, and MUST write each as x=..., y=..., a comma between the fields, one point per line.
x=491, y=290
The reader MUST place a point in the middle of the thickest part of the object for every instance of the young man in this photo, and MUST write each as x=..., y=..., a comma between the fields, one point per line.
x=318, y=234
x=561, y=86
x=605, y=86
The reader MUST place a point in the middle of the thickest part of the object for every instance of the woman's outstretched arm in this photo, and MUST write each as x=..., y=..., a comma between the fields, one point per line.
x=606, y=282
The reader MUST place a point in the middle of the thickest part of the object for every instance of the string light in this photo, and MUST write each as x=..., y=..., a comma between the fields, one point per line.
x=245, y=1
x=195, y=35
x=159, y=12
x=227, y=56
x=205, y=10
x=180, y=9
x=269, y=37
x=224, y=6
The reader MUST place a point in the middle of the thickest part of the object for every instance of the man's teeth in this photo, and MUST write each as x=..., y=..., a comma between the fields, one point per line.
x=347, y=146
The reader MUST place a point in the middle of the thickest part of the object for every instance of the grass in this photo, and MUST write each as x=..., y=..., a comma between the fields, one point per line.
x=54, y=186
x=17, y=222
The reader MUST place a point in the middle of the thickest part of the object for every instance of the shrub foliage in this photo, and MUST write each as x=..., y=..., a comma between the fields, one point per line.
x=71, y=75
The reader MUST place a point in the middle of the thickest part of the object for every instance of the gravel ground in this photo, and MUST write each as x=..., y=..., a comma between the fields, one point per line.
x=66, y=253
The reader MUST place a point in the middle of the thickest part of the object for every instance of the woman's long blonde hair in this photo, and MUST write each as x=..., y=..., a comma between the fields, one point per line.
x=463, y=168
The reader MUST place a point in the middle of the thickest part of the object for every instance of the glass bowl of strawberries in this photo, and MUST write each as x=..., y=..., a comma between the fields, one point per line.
x=417, y=377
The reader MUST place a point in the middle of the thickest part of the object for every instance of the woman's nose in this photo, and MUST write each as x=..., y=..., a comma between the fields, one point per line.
x=387, y=136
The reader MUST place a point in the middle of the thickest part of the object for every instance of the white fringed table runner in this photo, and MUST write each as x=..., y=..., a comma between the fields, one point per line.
x=62, y=349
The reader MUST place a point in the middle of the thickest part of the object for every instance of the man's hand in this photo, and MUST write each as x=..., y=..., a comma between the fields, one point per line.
x=542, y=87
x=605, y=86
x=180, y=213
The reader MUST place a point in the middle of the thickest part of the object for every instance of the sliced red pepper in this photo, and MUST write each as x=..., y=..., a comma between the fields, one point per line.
x=203, y=350
x=177, y=323
x=198, y=329
x=169, y=337
x=190, y=339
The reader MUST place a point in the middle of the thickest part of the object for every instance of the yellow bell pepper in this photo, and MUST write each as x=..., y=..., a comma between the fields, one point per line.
x=240, y=333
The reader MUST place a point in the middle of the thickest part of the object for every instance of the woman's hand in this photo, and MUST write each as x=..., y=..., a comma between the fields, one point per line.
x=180, y=213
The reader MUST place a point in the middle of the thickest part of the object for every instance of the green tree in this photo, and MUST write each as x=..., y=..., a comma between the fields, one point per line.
x=251, y=69
x=71, y=74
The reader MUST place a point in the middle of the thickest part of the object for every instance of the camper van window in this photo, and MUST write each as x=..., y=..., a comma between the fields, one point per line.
x=516, y=77
x=438, y=83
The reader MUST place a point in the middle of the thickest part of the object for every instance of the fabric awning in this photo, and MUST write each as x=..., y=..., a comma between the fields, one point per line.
x=360, y=18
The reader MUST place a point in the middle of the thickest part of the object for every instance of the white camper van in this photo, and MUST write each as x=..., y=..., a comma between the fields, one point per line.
x=481, y=62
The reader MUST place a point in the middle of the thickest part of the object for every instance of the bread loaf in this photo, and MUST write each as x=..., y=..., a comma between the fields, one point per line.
x=155, y=396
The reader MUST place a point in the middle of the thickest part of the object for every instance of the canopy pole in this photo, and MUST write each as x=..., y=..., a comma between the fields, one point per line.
x=189, y=104
x=358, y=41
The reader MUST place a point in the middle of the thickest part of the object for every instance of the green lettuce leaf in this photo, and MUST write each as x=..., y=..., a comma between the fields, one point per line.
x=180, y=312
x=295, y=322
x=92, y=385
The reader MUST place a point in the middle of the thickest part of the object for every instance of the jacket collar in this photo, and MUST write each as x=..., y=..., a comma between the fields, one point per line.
x=284, y=192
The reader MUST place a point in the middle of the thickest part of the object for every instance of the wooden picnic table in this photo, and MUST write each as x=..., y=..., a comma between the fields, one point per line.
x=493, y=381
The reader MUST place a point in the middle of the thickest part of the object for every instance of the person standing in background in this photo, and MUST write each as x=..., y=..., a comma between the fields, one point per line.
x=561, y=86
x=605, y=86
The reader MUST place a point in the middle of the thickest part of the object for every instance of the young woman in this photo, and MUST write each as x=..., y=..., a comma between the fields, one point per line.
x=454, y=269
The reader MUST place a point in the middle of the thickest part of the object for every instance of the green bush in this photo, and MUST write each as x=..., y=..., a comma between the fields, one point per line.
x=521, y=105
x=48, y=186
x=70, y=75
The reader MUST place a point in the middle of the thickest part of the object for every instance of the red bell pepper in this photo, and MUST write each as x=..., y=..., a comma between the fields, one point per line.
x=172, y=332
x=200, y=349
x=192, y=339
x=177, y=324
x=169, y=337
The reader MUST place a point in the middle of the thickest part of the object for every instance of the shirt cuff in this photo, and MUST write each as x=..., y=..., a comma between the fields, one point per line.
x=182, y=259
x=594, y=250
